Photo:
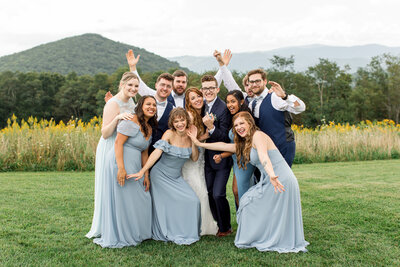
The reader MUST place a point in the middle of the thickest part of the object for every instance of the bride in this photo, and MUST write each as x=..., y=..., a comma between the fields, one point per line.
x=193, y=171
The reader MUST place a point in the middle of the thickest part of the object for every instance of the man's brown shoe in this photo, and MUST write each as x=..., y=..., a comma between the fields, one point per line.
x=221, y=234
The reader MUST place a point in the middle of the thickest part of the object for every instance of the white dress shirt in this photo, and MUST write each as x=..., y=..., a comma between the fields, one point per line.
x=161, y=108
x=278, y=103
x=179, y=99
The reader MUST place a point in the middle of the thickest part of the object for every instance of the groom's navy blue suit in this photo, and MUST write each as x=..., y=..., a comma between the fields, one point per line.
x=217, y=175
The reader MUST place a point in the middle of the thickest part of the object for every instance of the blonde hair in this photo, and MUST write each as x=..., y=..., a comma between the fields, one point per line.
x=127, y=76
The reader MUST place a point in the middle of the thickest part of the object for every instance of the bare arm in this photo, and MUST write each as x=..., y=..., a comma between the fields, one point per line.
x=219, y=146
x=111, y=117
x=261, y=143
x=146, y=181
x=119, y=157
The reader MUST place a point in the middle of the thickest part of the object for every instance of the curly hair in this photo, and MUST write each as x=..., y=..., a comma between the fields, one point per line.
x=244, y=144
x=197, y=119
x=178, y=113
x=152, y=123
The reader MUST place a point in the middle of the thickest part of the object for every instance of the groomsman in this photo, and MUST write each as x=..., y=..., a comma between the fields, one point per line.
x=217, y=119
x=177, y=97
x=271, y=110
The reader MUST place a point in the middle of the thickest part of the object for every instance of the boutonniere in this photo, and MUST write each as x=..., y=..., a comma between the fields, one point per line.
x=212, y=115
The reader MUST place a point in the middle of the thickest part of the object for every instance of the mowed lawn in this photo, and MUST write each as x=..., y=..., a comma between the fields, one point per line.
x=351, y=215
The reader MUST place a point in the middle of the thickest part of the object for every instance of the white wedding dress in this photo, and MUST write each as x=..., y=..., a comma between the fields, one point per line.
x=193, y=174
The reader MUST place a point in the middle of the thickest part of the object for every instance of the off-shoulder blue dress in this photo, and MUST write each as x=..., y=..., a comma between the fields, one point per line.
x=176, y=208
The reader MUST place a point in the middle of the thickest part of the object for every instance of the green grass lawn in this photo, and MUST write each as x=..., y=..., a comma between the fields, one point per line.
x=351, y=215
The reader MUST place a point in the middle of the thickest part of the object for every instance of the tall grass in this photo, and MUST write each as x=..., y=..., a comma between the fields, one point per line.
x=343, y=142
x=38, y=145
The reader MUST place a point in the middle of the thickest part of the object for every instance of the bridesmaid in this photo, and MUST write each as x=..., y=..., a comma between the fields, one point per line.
x=126, y=206
x=241, y=177
x=176, y=208
x=267, y=220
x=117, y=108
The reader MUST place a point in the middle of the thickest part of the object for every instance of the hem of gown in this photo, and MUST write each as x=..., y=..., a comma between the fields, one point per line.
x=91, y=235
x=99, y=242
x=179, y=241
x=277, y=249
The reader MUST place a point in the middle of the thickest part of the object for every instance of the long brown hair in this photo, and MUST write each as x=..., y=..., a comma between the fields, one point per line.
x=244, y=144
x=197, y=119
x=140, y=115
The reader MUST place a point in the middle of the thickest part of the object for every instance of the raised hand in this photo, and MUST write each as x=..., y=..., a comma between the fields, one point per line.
x=275, y=87
x=121, y=176
x=125, y=116
x=276, y=184
x=132, y=60
x=226, y=58
x=218, y=57
x=108, y=96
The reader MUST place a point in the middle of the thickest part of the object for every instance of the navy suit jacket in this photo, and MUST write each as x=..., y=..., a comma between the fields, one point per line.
x=171, y=100
x=222, y=125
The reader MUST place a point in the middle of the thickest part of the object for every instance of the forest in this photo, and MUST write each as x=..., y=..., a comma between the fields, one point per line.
x=331, y=93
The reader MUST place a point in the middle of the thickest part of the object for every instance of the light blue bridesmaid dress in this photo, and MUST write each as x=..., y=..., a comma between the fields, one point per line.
x=242, y=175
x=126, y=210
x=267, y=220
x=103, y=147
x=176, y=208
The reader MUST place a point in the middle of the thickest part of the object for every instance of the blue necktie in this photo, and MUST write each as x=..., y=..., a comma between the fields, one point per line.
x=253, y=105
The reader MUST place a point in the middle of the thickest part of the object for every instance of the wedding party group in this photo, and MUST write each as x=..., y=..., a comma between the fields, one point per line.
x=162, y=164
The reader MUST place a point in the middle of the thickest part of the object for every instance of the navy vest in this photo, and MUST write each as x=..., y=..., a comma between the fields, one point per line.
x=162, y=125
x=275, y=123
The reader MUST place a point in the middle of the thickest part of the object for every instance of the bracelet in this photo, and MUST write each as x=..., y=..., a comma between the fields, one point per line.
x=285, y=97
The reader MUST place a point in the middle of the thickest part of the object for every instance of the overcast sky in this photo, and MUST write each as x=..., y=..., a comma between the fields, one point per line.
x=197, y=27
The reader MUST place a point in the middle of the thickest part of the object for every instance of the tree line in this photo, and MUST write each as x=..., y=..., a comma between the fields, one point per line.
x=331, y=93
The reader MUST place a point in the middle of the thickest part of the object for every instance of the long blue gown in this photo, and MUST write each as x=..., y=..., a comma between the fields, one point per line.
x=176, y=208
x=267, y=220
x=103, y=147
x=126, y=210
x=242, y=175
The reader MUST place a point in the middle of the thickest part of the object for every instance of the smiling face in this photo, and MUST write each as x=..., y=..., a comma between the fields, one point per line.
x=241, y=126
x=180, y=83
x=257, y=84
x=130, y=87
x=180, y=124
x=232, y=104
x=210, y=90
x=149, y=107
x=195, y=100
x=164, y=88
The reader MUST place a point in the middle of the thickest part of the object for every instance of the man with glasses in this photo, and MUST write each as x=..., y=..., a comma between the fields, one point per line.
x=271, y=110
x=217, y=120
x=177, y=97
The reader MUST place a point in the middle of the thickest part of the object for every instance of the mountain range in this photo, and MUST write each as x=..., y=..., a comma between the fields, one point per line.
x=83, y=54
x=92, y=53
x=304, y=56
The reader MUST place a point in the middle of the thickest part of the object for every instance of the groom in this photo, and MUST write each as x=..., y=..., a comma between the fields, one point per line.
x=217, y=119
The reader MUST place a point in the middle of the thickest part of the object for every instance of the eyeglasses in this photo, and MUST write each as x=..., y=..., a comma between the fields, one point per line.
x=257, y=82
x=208, y=88
x=165, y=85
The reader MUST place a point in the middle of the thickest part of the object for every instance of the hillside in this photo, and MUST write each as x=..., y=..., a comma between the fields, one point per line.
x=83, y=54
x=305, y=56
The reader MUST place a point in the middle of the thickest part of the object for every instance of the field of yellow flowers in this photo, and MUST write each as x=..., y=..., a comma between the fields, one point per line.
x=35, y=145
